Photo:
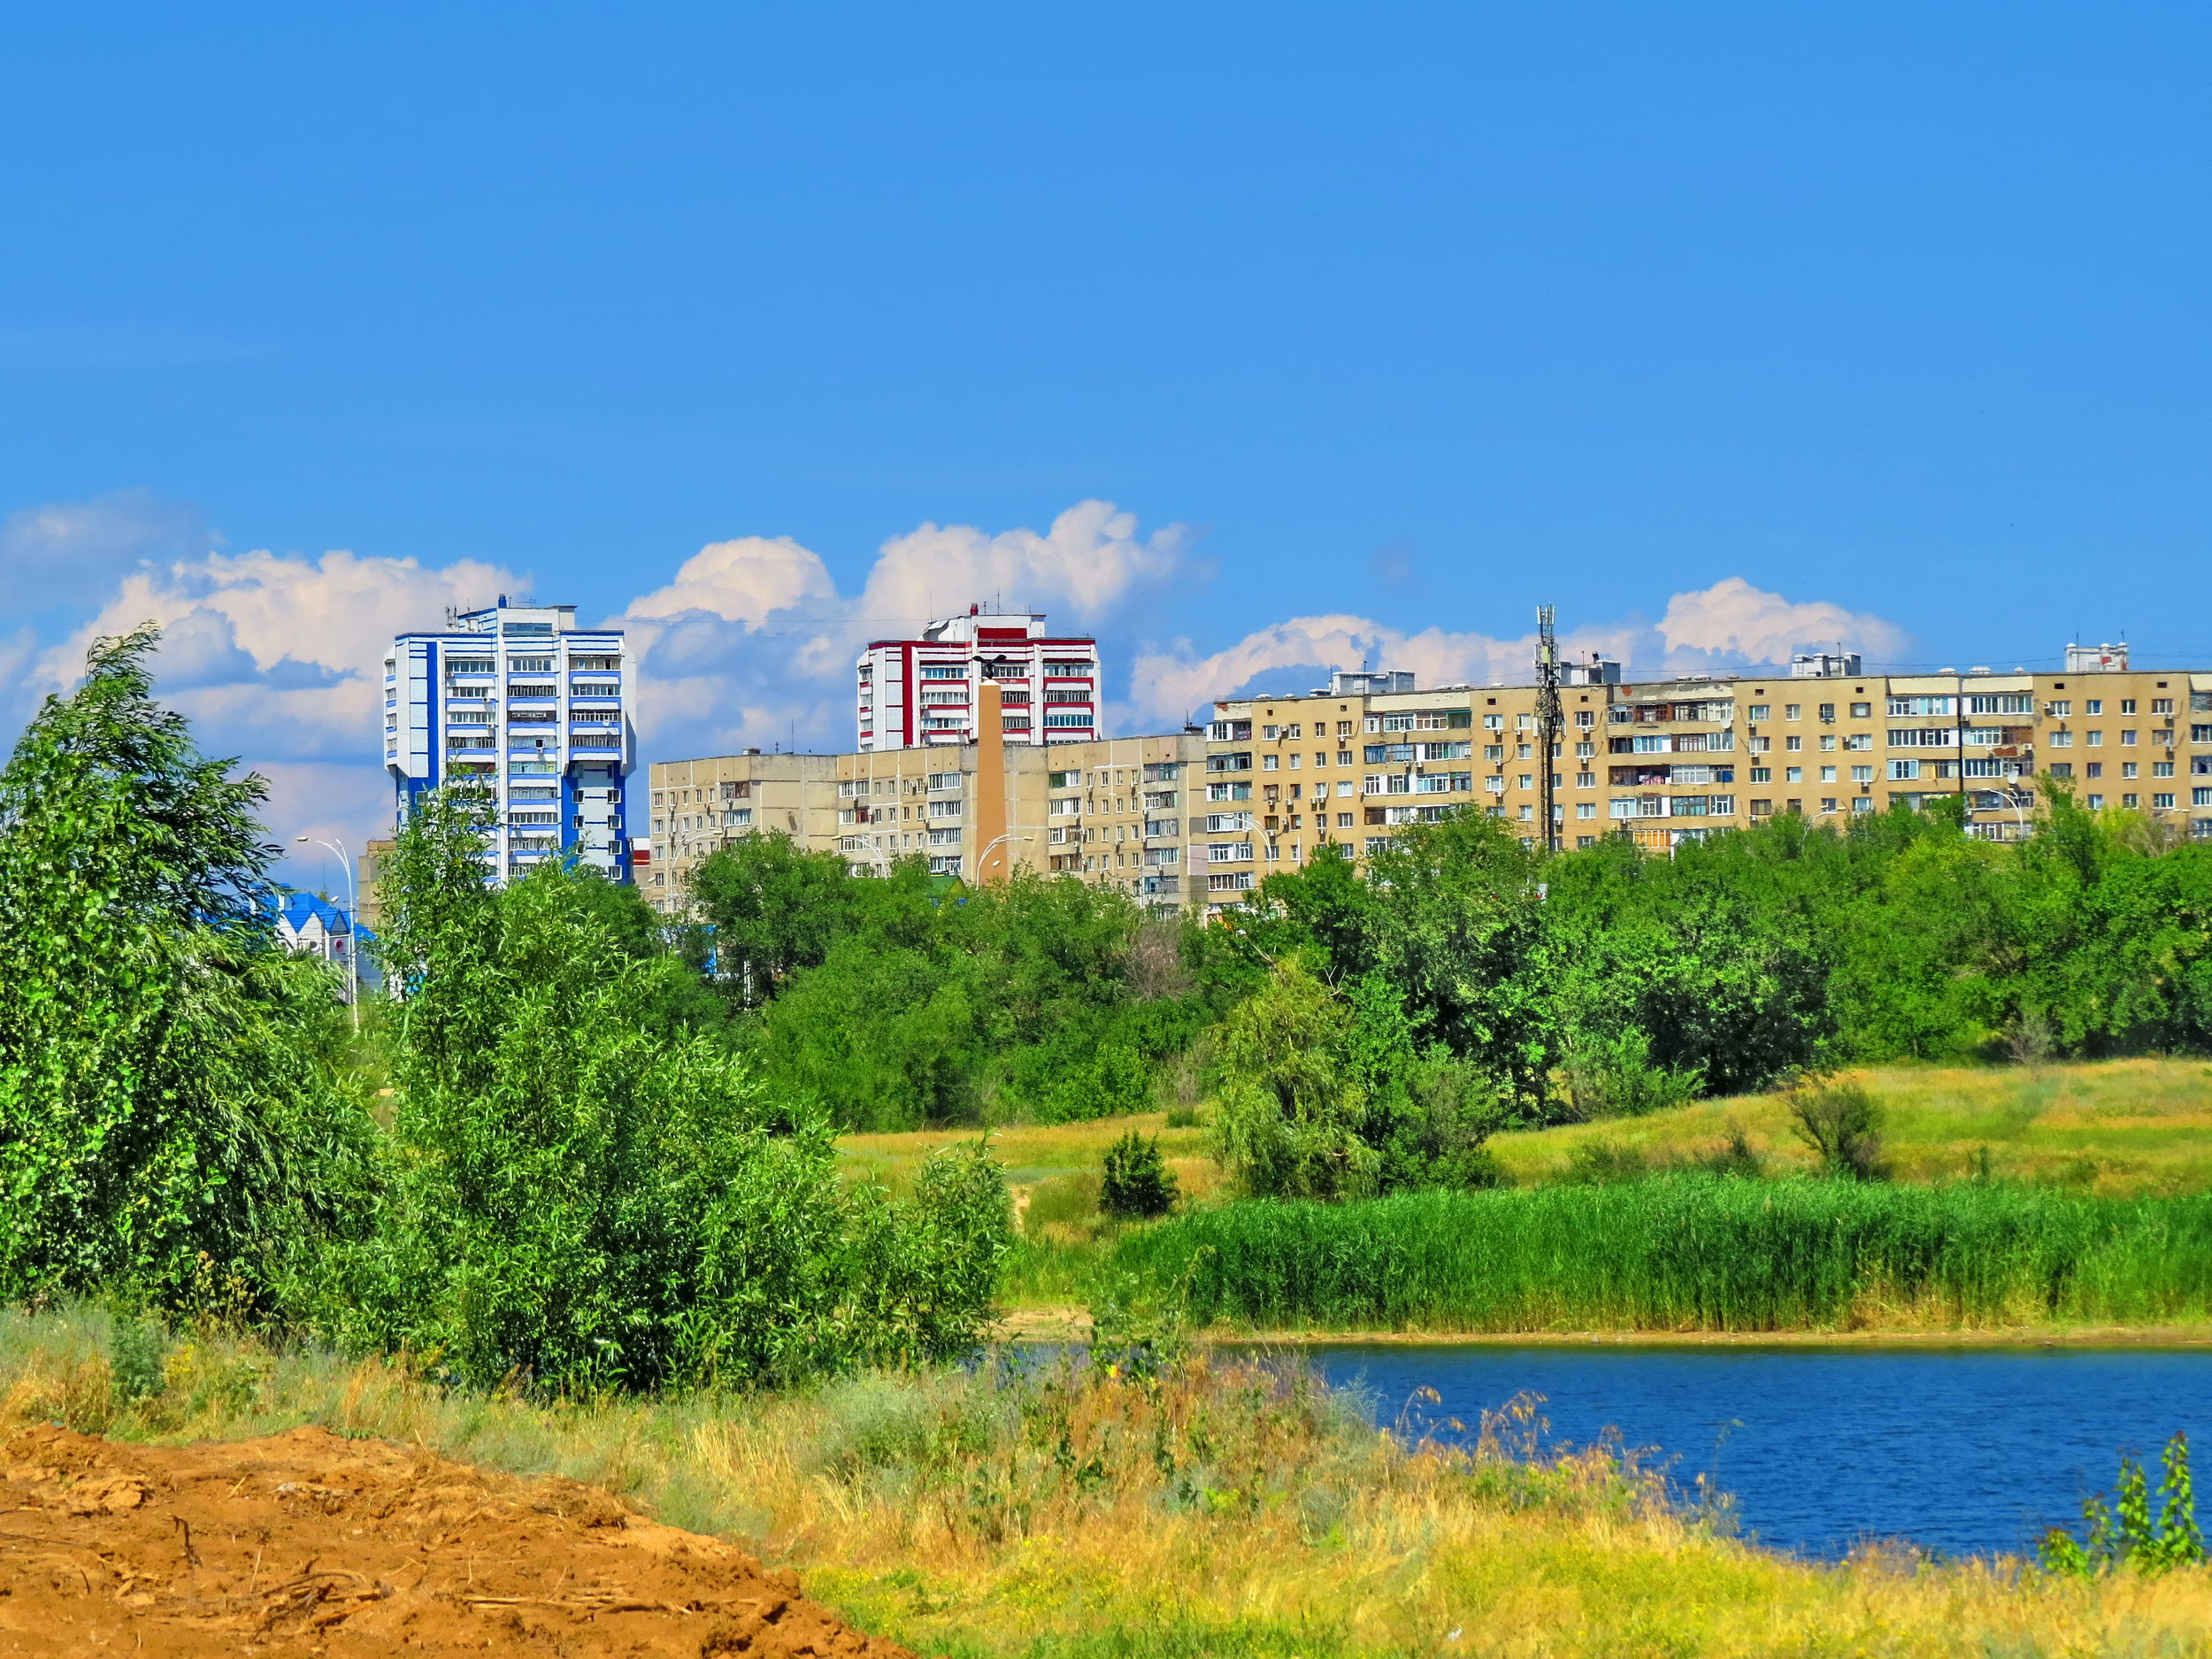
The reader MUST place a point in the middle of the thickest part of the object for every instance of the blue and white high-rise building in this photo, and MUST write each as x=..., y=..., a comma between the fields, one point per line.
x=520, y=699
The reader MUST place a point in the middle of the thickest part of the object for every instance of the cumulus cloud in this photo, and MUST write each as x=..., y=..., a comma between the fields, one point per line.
x=71, y=550
x=1732, y=622
x=752, y=643
x=1730, y=625
x=278, y=658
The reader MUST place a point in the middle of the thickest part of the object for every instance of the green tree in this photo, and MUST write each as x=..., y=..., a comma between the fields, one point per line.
x=1323, y=1095
x=583, y=1197
x=172, y=1121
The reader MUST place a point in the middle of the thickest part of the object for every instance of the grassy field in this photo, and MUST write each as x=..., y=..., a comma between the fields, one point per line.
x=2115, y=1128
x=1210, y=1509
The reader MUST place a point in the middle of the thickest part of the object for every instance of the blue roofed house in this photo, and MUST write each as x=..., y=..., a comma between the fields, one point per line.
x=310, y=924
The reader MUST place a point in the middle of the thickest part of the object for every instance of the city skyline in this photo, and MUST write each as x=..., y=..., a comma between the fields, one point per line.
x=1252, y=352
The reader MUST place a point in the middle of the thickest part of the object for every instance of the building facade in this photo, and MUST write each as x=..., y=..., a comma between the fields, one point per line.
x=1115, y=813
x=928, y=692
x=518, y=700
x=1667, y=761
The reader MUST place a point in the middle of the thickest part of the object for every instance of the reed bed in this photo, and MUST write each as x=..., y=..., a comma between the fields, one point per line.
x=1200, y=1507
x=1685, y=1253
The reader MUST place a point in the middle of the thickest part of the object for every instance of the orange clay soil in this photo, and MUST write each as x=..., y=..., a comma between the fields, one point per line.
x=309, y=1543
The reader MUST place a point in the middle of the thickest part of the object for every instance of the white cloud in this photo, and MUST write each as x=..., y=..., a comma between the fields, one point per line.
x=1730, y=625
x=278, y=659
x=66, y=549
x=1732, y=622
x=753, y=644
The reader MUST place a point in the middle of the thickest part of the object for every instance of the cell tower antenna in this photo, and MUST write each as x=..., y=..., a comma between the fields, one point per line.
x=1548, y=720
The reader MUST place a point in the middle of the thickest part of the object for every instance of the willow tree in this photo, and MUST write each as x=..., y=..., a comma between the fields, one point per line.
x=169, y=1129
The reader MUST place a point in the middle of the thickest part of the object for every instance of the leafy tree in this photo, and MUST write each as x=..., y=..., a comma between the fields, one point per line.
x=1136, y=1183
x=583, y=1198
x=172, y=1124
x=1323, y=1095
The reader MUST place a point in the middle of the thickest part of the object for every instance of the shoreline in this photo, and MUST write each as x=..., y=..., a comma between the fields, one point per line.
x=1063, y=1324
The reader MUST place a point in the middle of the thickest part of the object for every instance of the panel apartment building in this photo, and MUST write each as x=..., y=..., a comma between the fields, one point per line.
x=1668, y=761
x=522, y=701
x=928, y=692
x=1113, y=812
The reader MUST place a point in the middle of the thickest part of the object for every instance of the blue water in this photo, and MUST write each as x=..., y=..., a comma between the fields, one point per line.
x=1962, y=1451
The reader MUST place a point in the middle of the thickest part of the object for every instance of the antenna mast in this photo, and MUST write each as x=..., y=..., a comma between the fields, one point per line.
x=1548, y=720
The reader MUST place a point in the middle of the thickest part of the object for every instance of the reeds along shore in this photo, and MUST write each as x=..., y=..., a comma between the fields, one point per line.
x=1684, y=1252
x=1171, y=1507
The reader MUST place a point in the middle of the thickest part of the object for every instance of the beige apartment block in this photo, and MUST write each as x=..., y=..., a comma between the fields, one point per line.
x=1112, y=811
x=1665, y=762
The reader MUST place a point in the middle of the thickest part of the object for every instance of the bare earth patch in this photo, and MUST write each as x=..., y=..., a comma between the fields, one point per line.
x=311, y=1543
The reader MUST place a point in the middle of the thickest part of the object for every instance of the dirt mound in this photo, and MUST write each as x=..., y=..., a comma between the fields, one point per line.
x=309, y=1543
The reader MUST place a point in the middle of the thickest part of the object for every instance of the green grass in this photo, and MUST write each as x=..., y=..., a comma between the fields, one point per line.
x=1215, y=1506
x=1685, y=1253
x=2114, y=1128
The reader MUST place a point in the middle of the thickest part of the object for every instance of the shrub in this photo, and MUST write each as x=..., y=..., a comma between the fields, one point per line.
x=1137, y=1183
x=1841, y=1124
x=1615, y=1077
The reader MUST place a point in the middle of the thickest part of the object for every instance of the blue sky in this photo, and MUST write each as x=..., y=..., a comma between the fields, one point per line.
x=1408, y=318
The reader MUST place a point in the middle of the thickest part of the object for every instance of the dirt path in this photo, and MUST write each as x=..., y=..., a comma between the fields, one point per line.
x=310, y=1543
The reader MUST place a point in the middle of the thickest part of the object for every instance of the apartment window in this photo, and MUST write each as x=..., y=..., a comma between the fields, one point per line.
x=1067, y=696
x=1241, y=762
x=1162, y=772
x=2200, y=797
x=2163, y=802
x=2096, y=801
x=2131, y=800
x=1228, y=792
x=1586, y=809
x=1827, y=743
x=1862, y=710
x=1793, y=744
x=1270, y=762
x=529, y=664
x=1229, y=881
x=2127, y=740
x=2127, y=705
x=1828, y=712
x=1865, y=739
x=1229, y=853
x=532, y=691
x=2162, y=769
x=2127, y=769
x=2162, y=705
x=1862, y=775
x=2095, y=739
x=1763, y=774
x=1758, y=712
x=2093, y=705
x=1793, y=712
x=1159, y=800
x=1900, y=771
x=1827, y=774
x=2058, y=740
x=1066, y=806
x=1586, y=719
x=2002, y=702
x=1759, y=745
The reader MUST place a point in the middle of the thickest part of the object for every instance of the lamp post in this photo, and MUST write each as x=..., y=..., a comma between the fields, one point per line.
x=996, y=841
x=353, y=930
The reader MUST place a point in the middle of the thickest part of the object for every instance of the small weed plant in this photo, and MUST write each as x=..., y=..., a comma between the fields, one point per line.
x=2126, y=1536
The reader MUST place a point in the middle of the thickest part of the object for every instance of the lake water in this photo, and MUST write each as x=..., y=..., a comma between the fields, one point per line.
x=1964, y=1451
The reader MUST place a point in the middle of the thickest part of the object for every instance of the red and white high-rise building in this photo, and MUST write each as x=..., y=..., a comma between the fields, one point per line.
x=914, y=693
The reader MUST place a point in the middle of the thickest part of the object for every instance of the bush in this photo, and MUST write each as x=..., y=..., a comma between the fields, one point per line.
x=1615, y=1077
x=1841, y=1124
x=1138, y=1183
x=579, y=1198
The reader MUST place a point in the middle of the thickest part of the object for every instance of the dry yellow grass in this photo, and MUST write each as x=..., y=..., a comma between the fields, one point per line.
x=1220, y=1511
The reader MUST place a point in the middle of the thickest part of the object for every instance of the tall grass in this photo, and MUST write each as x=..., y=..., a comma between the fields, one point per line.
x=1204, y=1510
x=1687, y=1252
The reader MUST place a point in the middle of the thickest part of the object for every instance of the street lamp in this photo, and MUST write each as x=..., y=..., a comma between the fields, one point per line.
x=353, y=930
x=996, y=841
